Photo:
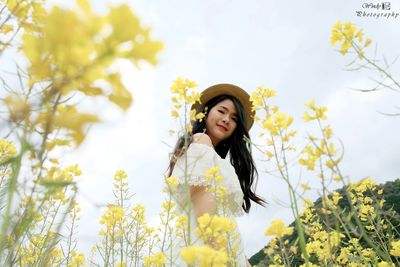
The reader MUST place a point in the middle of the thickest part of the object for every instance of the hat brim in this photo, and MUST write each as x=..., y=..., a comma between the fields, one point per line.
x=228, y=89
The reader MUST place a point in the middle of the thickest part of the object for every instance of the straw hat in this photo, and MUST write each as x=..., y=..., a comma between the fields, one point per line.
x=227, y=89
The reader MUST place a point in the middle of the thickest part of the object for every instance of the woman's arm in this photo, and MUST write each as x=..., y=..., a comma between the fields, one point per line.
x=247, y=263
x=202, y=201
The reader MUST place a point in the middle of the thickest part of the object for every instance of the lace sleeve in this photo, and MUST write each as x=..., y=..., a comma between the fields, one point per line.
x=191, y=167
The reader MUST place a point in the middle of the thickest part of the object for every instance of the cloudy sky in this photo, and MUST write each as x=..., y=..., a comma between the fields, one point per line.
x=284, y=45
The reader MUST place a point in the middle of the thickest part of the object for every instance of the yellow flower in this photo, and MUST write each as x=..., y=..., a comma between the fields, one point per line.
x=310, y=157
x=349, y=30
x=385, y=264
x=7, y=150
x=219, y=178
x=258, y=98
x=188, y=254
x=345, y=47
x=181, y=222
x=336, y=35
x=221, y=192
x=360, y=35
x=200, y=116
x=205, y=255
x=6, y=28
x=71, y=171
x=269, y=154
x=157, y=260
x=193, y=97
x=328, y=132
x=278, y=228
x=364, y=185
x=305, y=187
x=18, y=108
x=310, y=104
x=172, y=181
x=308, y=265
x=168, y=205
x=336, y=197
x=120, y=175
x=367, y=42
x=282, y=120
x=214, y=229
x=316, y=112
x=366, y=211
x=185, y=96
x=174, y=114
x=332, y=163
x=192, y=115
x=67, y=117
x=182, y=88
x=337, y=179
x=78, y=259
x=57, y=142
x=112, y=216
x=348, y=35
x=395, y=250
x=212, y=173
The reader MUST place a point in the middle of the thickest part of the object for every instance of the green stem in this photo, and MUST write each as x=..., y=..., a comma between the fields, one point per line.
x=293, y=200
x=15, y=167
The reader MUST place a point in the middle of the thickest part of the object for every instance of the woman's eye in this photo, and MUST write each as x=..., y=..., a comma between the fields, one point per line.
x=234, y=119
x=221, y=111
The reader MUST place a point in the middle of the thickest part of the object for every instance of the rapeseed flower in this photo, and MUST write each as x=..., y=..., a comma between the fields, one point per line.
x=205, y=256
x=212, y=173
x=310, y=157
x=172, y=181
x=189, y=254
x=385, y=264
x=349, y=36
x=200, y=116
x=259, y=97
x=7, y=150
x=278, y=229
x=184, y=95
x=113, y=215
x=317, y=113
x=395, y=248
x=214, y=229
x=156, y=260
x=78, y=259
x=120, y=175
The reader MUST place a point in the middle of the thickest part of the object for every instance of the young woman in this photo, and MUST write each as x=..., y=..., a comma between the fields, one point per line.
x=217, y=140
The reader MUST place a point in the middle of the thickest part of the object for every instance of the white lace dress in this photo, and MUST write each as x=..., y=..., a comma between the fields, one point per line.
x=191, y=171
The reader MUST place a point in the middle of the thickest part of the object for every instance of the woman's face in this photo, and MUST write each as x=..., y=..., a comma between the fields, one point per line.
x=221, y=121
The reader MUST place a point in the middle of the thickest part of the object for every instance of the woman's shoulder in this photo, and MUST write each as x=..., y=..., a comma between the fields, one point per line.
x=202, y=138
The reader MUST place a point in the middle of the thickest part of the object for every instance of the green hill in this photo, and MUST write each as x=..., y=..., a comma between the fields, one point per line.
x=391, y=213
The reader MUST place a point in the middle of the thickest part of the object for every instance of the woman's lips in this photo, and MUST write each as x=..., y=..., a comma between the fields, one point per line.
x=223, y=127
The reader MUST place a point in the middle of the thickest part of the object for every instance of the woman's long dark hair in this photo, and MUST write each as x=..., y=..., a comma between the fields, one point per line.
x=240, y=153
